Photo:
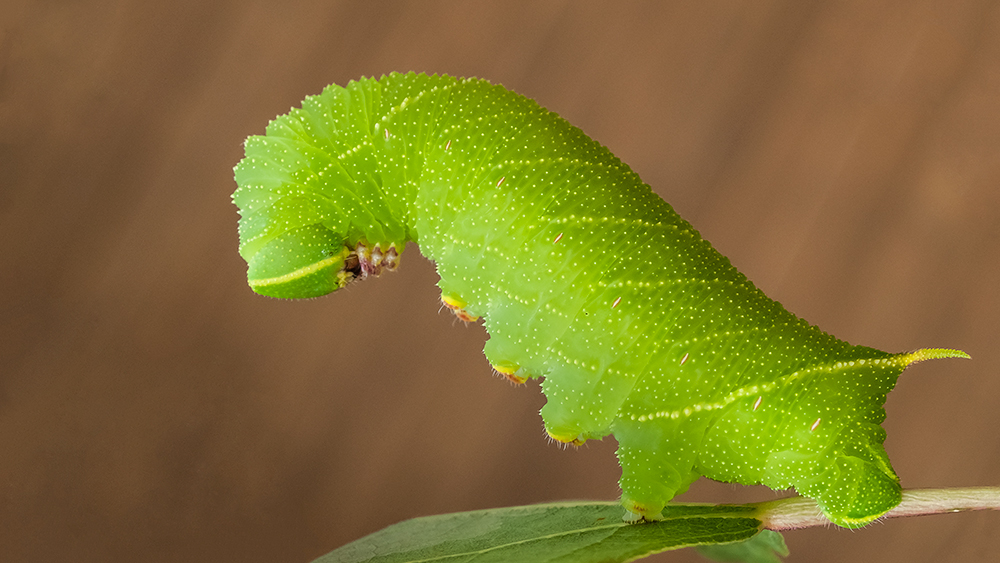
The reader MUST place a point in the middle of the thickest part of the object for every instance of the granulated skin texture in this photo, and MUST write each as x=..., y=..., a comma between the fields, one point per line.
x=582, y=276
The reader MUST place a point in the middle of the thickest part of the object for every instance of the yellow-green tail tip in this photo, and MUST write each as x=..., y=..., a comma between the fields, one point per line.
x=932, y=354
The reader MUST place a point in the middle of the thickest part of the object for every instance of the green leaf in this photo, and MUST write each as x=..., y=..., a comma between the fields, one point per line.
x=765, y=547
x=561, y=532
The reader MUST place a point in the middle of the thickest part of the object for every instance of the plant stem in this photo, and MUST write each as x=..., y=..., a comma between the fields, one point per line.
x=799, y=512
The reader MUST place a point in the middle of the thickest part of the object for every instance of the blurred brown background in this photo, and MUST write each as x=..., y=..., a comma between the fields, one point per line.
x=844, y=155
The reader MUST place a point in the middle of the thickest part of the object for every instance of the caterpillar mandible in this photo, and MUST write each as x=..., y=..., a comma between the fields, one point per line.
x=582, y=276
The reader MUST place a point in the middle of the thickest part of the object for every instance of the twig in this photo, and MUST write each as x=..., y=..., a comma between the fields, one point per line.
x=798, y=512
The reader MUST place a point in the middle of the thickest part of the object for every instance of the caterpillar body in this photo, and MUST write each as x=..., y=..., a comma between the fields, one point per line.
x=582, y=276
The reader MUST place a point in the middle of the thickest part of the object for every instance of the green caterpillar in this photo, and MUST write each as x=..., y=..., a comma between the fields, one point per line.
x=582, y=276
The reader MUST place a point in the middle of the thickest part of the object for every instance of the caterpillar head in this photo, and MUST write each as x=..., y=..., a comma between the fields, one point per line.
x=313, y=261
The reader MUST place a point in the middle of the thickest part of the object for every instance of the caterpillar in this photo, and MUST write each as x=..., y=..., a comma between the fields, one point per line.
x=582, y=276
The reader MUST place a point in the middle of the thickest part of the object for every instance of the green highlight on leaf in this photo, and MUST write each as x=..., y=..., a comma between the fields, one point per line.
x=592, y=531
x=577, y=532
x=765, y=547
